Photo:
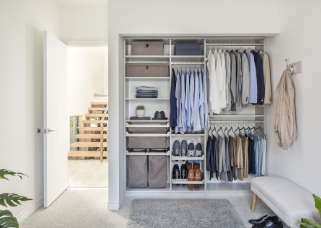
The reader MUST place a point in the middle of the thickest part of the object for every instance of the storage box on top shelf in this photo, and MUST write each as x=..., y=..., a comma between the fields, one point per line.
x=187, y=49
x=147, y=47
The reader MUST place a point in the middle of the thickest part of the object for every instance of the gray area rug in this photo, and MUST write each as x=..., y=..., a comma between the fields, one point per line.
x=214, y=213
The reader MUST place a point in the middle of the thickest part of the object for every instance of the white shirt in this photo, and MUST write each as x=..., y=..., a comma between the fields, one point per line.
x=214, y=97
x=223, y=90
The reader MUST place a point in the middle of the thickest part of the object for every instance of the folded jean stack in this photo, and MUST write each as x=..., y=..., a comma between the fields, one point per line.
x=146, y=92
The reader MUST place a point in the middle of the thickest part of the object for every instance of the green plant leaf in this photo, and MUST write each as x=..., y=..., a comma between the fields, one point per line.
x=11, y=199
x=4, y=172
x=7, y=220
x=307, y=223
x=317, y=201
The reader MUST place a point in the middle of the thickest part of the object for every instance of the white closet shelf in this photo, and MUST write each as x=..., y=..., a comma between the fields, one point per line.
x=235, y=116
x=187, y=135
x=147, y=153
x=147, y=99
x=185, y=181
x=147, y=56
x=147, y=78
x=183, y=158
x=147, y=121
x=147, y=125
x=167, y=188
x=147, y=135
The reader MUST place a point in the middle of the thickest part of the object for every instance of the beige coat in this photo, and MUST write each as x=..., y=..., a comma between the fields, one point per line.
x=267, y=79
x=284, y=121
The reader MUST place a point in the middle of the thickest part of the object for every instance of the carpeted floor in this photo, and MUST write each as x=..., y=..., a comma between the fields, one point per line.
x=88, y=208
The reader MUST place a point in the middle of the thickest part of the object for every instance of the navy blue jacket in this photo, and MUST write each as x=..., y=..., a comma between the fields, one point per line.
x=259, y=77
x=173, y=112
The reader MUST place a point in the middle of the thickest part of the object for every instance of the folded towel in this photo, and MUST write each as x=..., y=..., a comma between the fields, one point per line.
x=146, y=96
x=146, y=88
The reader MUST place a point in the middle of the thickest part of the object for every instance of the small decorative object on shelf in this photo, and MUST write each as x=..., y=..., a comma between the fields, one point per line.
x=140, y=111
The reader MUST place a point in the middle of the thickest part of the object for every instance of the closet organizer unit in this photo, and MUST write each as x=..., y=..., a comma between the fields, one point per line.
x=149, y=171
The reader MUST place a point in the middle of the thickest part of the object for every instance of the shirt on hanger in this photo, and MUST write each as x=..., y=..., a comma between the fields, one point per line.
x=267, y=79
x=246, y=80
x=205, y=107
x=228, y=81
x=191, y=97
x=201, y=99
x=215, y=105
x=253, y=80
x=187, y=101
x=178, y=102
x=233, y=81
x=196, y=115
x=223, y=92
x=239, y=81
x=259, y=77
x=173, y=102
x=209, y=165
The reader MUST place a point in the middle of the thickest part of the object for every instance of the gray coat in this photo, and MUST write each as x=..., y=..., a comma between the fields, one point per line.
x=246, y=80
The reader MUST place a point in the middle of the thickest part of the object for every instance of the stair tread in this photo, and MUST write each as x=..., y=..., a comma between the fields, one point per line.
x=99, y=103
x=90, y=136
x=77, y=153
x=96, y=109
x=87, y=144
x=92, y=129
x=94, y=121
x=95, y=115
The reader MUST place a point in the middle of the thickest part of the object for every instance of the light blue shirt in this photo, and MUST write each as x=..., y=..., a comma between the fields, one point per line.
x=187, y=102
x=182, y=127
x=191, y=95
x=201, y=108
x=253, y=80
x=178, y=100
x=206, y=122
x=196, y=114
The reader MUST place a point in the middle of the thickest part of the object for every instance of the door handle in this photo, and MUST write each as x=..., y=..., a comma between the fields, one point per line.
x=47, y=131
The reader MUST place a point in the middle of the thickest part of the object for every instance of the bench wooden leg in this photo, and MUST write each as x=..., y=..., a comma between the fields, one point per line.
x=254, y=202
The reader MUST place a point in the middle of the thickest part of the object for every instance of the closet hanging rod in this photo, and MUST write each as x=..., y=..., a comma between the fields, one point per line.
x=225, y=44
x=237, y=121
x=187, y=63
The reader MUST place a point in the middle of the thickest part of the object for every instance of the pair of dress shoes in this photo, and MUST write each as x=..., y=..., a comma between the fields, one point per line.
x=194, y=174
x=266, y=222
x=179, y=174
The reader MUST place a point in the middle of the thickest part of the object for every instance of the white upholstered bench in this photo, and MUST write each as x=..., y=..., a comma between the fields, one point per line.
x=286, y=199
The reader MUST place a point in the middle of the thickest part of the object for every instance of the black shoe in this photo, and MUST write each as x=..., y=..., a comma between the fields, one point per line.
x=263, y=220
x=175, y=168
x=270, y=224
x=183, y=171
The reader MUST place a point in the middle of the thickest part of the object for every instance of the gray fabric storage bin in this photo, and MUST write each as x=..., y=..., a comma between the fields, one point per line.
x=157, y=171
x=147, y=70
x=147, y=48
x=160, y=130
x=137, y=171
x=147, y=142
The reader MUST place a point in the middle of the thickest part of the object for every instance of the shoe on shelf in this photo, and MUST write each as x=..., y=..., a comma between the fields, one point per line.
x=196, y=166
x=183, y=172
x=176, y=173
x=184, y=148
x=263, y=220
x=198, y=177
x=188, y=165
x=191, y=177
x=191, y=151
x=176, y=148
x=198, y=151
x=270, y=224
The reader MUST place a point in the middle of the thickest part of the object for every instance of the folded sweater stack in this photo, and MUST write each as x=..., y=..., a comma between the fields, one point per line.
x=146, y=92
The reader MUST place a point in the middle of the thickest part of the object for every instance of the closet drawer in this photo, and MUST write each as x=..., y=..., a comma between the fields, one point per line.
x=137, y=171
x=147, y=142
x=157, y=171
x=147, y=70
x=159, y=130
x=147, y=48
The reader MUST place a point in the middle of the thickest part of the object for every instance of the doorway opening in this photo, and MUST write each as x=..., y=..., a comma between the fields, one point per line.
x=88, y=112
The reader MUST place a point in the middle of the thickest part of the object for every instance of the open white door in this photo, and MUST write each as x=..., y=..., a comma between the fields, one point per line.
x=56, y=120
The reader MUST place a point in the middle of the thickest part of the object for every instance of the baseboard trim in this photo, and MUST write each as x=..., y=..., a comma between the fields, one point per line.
x=26, y=213
x=113, y=206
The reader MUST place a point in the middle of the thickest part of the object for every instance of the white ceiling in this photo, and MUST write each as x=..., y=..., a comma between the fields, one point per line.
x=83, y=2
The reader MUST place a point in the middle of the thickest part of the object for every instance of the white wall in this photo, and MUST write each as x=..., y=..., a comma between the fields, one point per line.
x=180, y=17
x=84, y=23
x=86, y=76
x=22, y=24
x=299, y=40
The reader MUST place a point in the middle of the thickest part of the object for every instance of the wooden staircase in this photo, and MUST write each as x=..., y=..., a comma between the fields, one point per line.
x=90, y=136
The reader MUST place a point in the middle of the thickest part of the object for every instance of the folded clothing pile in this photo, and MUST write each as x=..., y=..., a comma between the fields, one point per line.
x=146, y=92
